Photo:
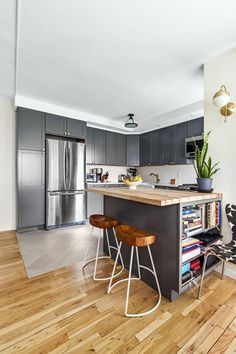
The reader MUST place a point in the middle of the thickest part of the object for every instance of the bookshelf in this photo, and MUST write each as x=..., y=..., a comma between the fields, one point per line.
x=200, y=226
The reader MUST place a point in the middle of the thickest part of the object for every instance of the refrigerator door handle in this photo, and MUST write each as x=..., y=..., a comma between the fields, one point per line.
x=69, y=167
x=66, y=193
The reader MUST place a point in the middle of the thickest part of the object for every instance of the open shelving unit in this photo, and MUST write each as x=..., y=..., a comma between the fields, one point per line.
x=201, y=221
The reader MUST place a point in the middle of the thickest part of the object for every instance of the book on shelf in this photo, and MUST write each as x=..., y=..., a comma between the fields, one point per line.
x=189, y=255
x=189, y=241
x=190, y=248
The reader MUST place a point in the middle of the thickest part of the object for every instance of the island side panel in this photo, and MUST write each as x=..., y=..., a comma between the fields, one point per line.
x=162, y=221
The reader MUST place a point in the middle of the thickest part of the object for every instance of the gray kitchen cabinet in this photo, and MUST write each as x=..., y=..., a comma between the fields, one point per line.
x=90, y=145
x=110, y=148
x=76, y=128
x=178, y=135
x=195, y=127
x=60, y=125
x=166, y=146
x=120, y=149
x=99, y=146
x=156, y=148
x=145, y=149
x=30, y=188
x=55, y=124
x=31, y=129
x=95, y=146
x=94, y=202
x=133, y=150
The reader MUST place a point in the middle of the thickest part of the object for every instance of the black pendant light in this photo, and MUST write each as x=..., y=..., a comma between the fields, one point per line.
x=130, y=123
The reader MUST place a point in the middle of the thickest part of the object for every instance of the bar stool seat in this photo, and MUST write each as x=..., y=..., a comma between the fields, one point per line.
x=132, y=236
x=103, y=222
x=135, y=238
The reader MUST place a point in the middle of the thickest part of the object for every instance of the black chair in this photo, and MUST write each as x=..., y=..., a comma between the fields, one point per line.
x=225, y=252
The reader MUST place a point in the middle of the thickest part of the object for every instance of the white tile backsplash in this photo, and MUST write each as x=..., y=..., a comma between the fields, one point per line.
x=182, y=173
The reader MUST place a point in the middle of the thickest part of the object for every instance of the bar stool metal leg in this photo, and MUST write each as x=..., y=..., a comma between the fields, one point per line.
x=153, y=271
x=97, y=257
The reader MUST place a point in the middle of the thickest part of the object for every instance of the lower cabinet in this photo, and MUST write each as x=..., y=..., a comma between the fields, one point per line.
x=94, y=204
x=30, y=188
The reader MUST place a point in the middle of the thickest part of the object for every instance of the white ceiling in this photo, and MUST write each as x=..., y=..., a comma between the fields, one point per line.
x=100, y=60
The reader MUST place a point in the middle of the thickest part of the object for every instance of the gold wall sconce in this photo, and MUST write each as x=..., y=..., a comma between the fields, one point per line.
x=221, y=99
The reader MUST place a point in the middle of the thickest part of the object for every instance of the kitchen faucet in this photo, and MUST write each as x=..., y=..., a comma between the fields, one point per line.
x=156, y=175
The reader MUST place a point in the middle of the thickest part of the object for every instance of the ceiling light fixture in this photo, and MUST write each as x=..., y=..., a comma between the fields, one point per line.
x=130, y=123
x=221, y=99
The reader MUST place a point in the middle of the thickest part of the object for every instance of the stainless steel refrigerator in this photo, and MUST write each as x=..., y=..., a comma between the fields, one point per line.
x=65, y=182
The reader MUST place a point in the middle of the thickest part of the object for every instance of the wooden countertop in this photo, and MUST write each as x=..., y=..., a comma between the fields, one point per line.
x=157, y=197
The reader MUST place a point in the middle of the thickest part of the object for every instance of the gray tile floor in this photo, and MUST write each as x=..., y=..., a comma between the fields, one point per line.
x=44, y=251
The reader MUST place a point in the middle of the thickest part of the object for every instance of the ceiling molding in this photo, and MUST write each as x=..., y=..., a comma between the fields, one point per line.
x=182, y=114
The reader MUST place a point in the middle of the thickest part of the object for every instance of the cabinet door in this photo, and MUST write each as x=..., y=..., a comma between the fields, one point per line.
x=30, y=188
x=133, y=147
x=179, y=132
x=110, y=148
x=55, y=124
x=156, y=147
x=166, y=146
x=195, y=127
x=76, y=128
x=31, y=129
x=90, y=158
x=94, y=204
x=120, y=149
x=145, y=149
x=99, y=146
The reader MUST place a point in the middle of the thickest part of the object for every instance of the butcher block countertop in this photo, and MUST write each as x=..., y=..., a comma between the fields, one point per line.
x=157, y=197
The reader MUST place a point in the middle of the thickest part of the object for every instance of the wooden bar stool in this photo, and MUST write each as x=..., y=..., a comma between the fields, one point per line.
x=135, y=238
x=103, y=222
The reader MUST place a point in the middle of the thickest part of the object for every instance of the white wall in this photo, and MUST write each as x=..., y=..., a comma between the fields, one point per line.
x=7, y=166
x=218, y=71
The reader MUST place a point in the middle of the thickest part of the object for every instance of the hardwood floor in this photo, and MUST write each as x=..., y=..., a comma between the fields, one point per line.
x=65, y=312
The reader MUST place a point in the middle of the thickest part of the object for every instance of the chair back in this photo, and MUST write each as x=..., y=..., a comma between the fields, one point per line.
x=230, y=210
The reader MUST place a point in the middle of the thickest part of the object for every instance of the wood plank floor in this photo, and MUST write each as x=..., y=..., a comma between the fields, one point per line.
x=66, y=312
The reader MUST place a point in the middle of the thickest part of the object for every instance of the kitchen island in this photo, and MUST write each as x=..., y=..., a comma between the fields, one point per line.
x=159, y=212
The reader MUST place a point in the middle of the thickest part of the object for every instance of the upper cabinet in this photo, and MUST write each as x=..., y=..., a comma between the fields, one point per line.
x=95, y=146
x=166, y=146
x=133, y=150
x=179, y=133
x=195, y=127
x=31, y=129
x=60, y=125
x=121, y=149
x=110, y=148
x=145, y=149
x=156, y=156
x=76, y=128
x=166, y=134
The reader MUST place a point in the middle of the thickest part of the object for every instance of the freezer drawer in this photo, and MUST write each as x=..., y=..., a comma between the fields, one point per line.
x=65, y=208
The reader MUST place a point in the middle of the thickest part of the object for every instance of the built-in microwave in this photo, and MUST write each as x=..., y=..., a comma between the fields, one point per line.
x=190, y=145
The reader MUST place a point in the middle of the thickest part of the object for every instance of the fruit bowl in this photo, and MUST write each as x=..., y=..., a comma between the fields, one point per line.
x=132, y=185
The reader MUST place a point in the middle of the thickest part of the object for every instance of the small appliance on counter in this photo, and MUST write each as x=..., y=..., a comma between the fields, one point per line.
x=132, y=172
x=122, y=178
x=91, y=178
x=98, y=172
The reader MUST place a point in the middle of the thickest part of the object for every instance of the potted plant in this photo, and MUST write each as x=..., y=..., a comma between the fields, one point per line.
x=204, y=167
